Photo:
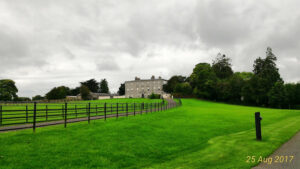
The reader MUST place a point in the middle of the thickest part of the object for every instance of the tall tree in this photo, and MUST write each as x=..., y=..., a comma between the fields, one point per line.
x=265, y=76
x=244, y=75
x=184, y=89
x=104, y=86
x=291, y=94
x=298, y=93
x=75, y=91
x=58, y=93
x=222, y=66
x=236, y=83
x=277, y=95
x=203, y=81
x=122, y=89
x=223, y=90
x=85, y=93
x=8, y=90
x=172, y=82
x=92, y=84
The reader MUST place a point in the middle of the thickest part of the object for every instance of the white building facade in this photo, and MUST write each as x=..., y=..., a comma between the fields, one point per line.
x=142, y=88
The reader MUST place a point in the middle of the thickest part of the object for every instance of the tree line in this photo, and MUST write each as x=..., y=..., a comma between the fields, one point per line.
x=218, y=82
x=8, y=91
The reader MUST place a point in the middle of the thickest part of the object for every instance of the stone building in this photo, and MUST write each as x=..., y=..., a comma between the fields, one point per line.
x=142, y=88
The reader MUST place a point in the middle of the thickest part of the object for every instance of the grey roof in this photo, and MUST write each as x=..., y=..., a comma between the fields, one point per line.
x=146, y=80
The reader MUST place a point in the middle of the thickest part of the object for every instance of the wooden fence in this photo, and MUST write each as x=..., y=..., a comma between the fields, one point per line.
x=14, y=117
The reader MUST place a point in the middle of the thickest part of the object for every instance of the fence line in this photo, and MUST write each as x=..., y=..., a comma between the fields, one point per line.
x=39, y=114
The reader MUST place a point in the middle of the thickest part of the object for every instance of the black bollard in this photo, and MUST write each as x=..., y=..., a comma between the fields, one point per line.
x=257, y=125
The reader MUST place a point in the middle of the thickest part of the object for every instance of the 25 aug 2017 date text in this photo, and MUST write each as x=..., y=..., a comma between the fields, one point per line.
x=270, y=160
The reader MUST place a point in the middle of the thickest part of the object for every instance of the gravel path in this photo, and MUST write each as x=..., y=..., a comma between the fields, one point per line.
x=290, y=148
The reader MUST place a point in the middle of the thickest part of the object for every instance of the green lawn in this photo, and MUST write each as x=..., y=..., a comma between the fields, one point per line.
x=199, y=134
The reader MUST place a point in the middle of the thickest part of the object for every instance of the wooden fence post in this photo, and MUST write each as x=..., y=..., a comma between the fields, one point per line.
x=104, y=111
x=46, y=112
x=34, y=116
x=117, y=110
x=26, y=113
x=141, y=109
x=89, y=113
x=66, y=114
x=0, y=115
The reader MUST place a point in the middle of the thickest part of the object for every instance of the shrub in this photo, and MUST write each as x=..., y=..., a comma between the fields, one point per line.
x=154, y=96
x=85, y=93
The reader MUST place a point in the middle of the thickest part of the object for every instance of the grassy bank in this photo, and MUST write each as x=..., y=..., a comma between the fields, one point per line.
x=199, y=134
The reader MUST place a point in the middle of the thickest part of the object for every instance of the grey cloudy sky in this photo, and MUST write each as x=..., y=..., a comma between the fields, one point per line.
x=48, y=43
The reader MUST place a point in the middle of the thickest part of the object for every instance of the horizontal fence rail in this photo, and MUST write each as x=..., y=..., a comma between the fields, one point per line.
x=21, y=116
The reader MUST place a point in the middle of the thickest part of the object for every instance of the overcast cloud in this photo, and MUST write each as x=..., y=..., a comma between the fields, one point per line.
x=48, y=43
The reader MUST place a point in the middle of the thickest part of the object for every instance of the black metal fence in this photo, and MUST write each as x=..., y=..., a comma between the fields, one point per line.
x=21, y=116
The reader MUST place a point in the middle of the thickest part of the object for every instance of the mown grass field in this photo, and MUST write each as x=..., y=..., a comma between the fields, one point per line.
x=199, y=134
x=23, y=113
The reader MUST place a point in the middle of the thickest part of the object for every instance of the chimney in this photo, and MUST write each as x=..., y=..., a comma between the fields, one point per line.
x=136, y=78
x=153, y=77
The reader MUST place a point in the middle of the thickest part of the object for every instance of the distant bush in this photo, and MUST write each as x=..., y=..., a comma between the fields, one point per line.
x=85, y=93
x=154, y=96
x=58, y=93
x=23, y=99
x=38, y=97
